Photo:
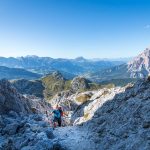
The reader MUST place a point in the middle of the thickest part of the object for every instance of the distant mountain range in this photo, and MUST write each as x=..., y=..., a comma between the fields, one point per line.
x=123, y=59
x=68, y=67
x=34, y=67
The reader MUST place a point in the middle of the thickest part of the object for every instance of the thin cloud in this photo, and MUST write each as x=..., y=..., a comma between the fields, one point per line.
x=147, y=26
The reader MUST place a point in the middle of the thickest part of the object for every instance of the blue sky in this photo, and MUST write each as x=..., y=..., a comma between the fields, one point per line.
x=72, y=28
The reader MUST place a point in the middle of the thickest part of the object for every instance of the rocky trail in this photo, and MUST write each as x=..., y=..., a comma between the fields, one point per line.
x=74, y=138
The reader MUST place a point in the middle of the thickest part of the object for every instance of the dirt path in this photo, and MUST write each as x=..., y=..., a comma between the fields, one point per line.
x=75, y=138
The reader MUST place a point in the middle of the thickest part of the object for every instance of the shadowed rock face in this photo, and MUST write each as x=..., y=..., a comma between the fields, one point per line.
x=24, y=124
x=30, y=87
x=11, y=100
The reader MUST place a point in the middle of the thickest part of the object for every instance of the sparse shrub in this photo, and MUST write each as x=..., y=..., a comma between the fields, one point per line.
x=86, y=116
x=83, y=98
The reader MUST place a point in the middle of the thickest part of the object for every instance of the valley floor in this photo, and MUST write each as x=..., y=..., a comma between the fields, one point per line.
x=75, y=138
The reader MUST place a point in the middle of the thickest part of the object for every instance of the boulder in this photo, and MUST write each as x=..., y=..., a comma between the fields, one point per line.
x=49, y=133
x=11, y=129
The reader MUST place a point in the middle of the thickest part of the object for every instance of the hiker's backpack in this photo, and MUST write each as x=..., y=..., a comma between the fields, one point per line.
x=57, y=113
x=60, y=110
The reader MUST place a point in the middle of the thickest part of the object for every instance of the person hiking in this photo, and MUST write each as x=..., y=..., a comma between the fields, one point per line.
x=58, y=113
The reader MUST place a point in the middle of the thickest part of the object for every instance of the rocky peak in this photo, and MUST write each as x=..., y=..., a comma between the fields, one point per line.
x=80, y=58
x=79, y=83
x=140, y=65
x=31, y=56
x=57, y=75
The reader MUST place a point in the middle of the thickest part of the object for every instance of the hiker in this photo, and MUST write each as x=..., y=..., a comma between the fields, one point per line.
x=58, y=113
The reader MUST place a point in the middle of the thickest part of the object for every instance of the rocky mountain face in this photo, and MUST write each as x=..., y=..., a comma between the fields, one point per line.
x=52, y=84
x=12, y=100
x=80, y=83
x=77, y=97
x=55, y=83
x=122, y=118
x=16, y=73
x=24, y=124
x=139, y=67
x=118, y=72
x=45, y=87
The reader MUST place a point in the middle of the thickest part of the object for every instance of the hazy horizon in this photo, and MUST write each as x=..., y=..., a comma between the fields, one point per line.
x=70, y=28
x=115, y=58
